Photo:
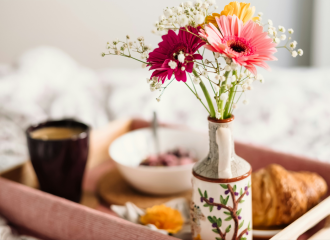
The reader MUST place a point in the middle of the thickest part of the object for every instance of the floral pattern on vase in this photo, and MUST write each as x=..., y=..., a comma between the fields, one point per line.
x=227, y=207
x=232, y=212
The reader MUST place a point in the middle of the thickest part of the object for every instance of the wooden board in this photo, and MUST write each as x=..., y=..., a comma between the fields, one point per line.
x=113, y=189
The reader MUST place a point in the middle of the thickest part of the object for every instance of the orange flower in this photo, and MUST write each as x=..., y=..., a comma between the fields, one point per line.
x=198, y=237
x=242, y=10
x=163, y=217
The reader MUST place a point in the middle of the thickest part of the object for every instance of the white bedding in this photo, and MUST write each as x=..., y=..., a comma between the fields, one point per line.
x=7, y=233
x=290, y=112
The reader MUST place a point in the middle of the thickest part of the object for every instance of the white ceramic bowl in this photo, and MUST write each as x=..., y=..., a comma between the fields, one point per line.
x=132, y=148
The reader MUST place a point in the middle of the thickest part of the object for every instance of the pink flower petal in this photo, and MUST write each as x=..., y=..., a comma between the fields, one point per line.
x=246, y=44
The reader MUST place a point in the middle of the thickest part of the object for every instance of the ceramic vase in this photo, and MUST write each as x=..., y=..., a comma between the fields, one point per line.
x=221, y=206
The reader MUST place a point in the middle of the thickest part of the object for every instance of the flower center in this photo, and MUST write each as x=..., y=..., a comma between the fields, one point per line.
x=178, y=52
x=181, y=57
x=239, y=45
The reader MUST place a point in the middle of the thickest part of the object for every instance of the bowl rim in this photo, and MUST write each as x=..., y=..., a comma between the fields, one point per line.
x=154, y=168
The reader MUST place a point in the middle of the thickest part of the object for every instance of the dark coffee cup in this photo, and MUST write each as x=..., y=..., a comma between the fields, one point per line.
x=58, y=152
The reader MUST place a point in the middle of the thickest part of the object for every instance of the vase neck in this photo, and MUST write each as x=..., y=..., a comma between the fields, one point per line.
x=222, y=161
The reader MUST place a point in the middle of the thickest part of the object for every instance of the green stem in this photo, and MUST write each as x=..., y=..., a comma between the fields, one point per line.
x=239, y=97
x=129, y=52
x=222, y=90
x=164, y=88
x=231, y=105
x=230, y=97
x=124, y=55
x=206, y=93
x=237, y=83
x=208, y=99
x=192, y=83
x=216, y=60
x=134, y=58
x=208, y=76
x=197, y=97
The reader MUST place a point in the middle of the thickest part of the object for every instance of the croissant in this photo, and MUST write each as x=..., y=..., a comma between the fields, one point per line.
x=279, y=196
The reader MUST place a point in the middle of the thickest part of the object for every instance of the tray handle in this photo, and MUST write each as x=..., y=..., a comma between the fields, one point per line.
x=305, y=222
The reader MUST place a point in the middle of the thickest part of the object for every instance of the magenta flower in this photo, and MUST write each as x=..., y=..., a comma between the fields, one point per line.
x=175, y=54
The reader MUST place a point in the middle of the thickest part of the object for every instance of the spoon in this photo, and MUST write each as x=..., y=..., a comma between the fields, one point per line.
x=155, y=132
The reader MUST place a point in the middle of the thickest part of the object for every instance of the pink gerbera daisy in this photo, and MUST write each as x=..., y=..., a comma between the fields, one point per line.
x=246, y=44
x=175, y=54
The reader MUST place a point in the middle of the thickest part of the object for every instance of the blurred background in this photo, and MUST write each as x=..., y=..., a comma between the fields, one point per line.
x=81, y=28
x=50, y=67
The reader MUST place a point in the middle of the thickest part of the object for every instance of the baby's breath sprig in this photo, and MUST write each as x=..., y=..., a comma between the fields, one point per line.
x=290, y=46
x=127, y=47
x=164, y=88
x=154, y=84
x=186, y=14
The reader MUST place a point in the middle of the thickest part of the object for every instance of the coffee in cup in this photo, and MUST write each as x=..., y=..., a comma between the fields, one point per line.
x=58, y=152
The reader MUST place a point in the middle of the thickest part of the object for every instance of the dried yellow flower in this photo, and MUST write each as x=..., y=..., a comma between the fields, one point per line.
x=198, y=237
x=163, y=217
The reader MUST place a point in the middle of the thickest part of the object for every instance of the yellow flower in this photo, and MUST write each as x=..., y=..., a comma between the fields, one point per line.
x=242, y=10
x=163, y=217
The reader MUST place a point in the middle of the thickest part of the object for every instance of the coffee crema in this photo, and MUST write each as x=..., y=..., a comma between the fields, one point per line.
x=55, y=133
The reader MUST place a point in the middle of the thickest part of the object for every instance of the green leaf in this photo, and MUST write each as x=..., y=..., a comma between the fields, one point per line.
x=218, y=238
x=234, y=188
x=249, y=226
x=229, y=218
x=228, y=213
x=241, y=191
x=211, y=208
x=243, y=238
x=200, y=192
x=241, y=225
x=222, y=200
x=227, y=200
x=241, y=201
x=228, y=229
x=206, y=205
x=249, y=185
x=219, y=222
x=239, y=212
x=205, y=194
x=210, y=219
x=215, y=219
x=215, y=230
x=224, y=186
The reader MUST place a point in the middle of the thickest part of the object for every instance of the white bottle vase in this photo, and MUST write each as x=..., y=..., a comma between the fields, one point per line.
x=221, y=205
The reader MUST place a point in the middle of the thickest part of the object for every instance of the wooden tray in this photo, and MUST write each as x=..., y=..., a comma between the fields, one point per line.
x=99, y=164
x=113, y=189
